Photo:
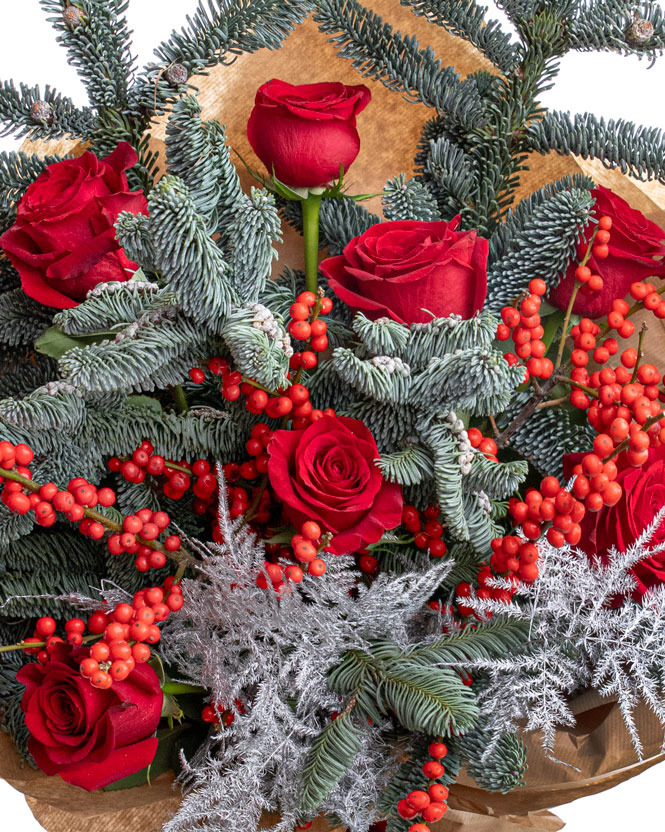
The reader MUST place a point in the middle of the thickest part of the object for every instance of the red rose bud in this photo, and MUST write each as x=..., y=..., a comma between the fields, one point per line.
x=406, y=270
x=622, y=524
x=89, y=736
x=635, y=243
x=304, y=133
x=327, y=473
x=63, y=241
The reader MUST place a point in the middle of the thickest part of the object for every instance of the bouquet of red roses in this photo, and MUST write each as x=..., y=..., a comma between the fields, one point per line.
x=331, y=540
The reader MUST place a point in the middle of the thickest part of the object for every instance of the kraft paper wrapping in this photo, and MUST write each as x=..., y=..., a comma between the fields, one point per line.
x=389, y=128
x=599, y=746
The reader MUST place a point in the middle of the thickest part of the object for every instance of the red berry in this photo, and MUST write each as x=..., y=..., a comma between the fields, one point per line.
x=437, y=750
x=418, y=799
x=433, y=770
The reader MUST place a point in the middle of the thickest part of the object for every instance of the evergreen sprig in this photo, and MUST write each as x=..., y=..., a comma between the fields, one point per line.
x=378, y=52
x=635, y=150
x=330, y=757
x=467, y=21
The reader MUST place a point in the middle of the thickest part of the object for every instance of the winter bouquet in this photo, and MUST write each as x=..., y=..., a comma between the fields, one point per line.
x=326, y=540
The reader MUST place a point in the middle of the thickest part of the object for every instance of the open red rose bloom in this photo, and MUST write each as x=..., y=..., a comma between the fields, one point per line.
x=306, y=133
x=411, y=271
x=328, y=473
x=90, y=737
x=63, y=241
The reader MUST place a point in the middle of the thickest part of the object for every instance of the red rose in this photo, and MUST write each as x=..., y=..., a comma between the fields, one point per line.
x=634, y=244
x=90, y=737
x=63, y=241
x=327, y=473
x=406, y=270
x=622, y=524
x=304, y=133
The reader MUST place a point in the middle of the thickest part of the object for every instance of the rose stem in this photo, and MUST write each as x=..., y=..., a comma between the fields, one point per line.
x=310, y=220
x=182, y=556
x=175, y=688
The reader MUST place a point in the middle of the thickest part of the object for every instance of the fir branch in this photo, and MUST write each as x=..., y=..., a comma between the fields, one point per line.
x=196, y=152
x=442, y=336
x=22, y=319
x=22, y=113
x=497, y=766
x=218, y=31
x=98, y=48
x=443, y=167
x=378, y=52
x=259, y=345
x=250, y=239
x=606, y=26
x=112, y=306
x=45, y=409
x=538, y=240
x=408, y=466
x=635, y=150
x=187, y=257
x=383, y=336
x=497, y=479
x=330, y=757
x=382, y=378
x=408, y=200
x=467, y=20
x=146, y=356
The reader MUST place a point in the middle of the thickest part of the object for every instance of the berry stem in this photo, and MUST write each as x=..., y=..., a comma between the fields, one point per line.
x=588, y=390
x=626, y=442
x=182, y=556
x=571, y=302
x=27, y=645
x=310, y=218
x=640, y=351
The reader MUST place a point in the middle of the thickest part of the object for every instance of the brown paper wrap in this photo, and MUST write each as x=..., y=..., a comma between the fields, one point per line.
x=599, y=745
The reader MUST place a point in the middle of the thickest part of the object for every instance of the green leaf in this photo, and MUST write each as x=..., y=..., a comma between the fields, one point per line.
x=146, y=402
x=171, y=741
x=55, y=343
x=330, y=757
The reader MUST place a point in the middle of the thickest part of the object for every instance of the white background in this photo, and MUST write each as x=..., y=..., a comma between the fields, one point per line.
x=604, y=84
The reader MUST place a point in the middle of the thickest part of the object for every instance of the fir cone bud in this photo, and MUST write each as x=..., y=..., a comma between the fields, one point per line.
x=640, y=31
x=40, y=112
x=72, y=16
x=177, y=74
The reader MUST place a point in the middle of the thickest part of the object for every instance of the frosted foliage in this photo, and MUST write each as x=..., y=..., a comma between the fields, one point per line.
x=274, y=653
x=579, y=637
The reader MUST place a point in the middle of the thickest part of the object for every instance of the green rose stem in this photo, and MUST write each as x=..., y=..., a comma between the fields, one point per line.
x=182, y=557
x=310, y=220
x=179, y=688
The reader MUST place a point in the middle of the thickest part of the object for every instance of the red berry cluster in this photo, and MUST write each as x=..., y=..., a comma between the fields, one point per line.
x=428, y=803
x=292, y=402
x=126, y=634
x=551, y=506
x=650, y=297
x=305, y=548
x=305, y=325
x=525, y=327
x=427, y=535
x=585, y=343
